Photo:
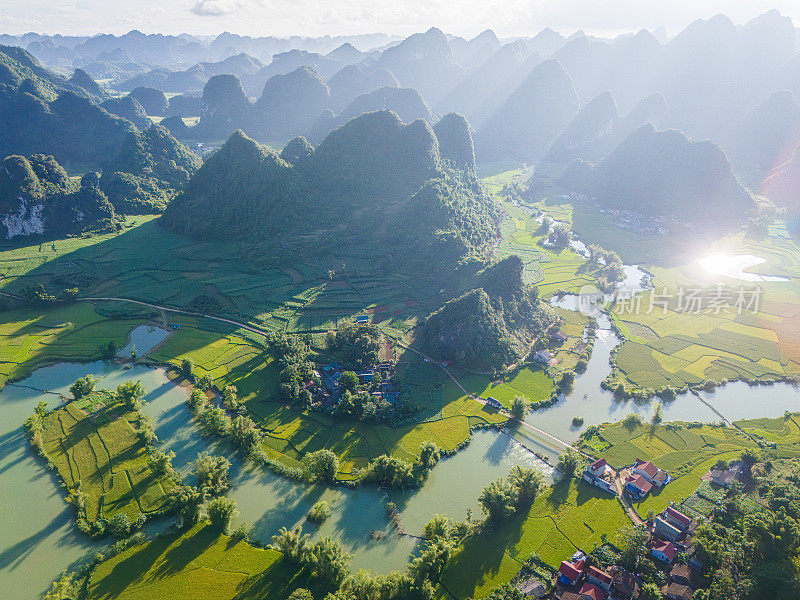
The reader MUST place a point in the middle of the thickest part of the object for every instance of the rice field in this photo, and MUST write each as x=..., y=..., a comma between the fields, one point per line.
x=570, y=515
x=148, y=263
x=93, y=444
x=199, y=564
x=688, y=452
x=32, y=338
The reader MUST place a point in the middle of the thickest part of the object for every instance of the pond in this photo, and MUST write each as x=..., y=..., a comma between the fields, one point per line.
x=142, y=340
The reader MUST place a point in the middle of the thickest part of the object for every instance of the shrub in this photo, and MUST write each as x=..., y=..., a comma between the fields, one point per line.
x=221, y=512
x=321, y=465
x=83, y=386
x=320, y=512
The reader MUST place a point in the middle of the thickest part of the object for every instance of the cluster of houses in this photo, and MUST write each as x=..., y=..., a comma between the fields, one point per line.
x=638, y=480
x=331, y=375
x=577, y=580
x=671, y=536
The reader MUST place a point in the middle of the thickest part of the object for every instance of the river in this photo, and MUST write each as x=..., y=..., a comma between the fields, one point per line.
x=38, y=539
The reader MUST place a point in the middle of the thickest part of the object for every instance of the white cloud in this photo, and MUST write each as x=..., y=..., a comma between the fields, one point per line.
x=214, y=8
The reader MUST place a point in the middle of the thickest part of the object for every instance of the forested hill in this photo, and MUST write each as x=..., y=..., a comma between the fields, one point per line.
x=375, y=182
x=663, y=173
x=18, y=65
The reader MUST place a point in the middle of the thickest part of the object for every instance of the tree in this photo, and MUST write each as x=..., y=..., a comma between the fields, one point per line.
x=560, y=235
x=657, y=417
x=429, y=455
x=292, y=543
x=230, y=397
x=130, y=393
x=527, y=484
x=498, y=500
x=431, y=562
x=212, y=473
x=506, y=592
x=568, y=463
x=187, y=368
x=519, y=408
x=650, y=591
x=566, y=381
x=632, y=420
x=301, y=594
x=632, y=542
x=221, y=512
x=83, y=386
x=349, y=381
x=329, y=562
x=320, y=512
x=119, y=526
x=322, y=465
x=109, y=350
x=161, y=463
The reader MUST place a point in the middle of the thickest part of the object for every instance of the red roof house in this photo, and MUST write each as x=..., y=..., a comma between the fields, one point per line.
x=592, y=592
x=646, y=468
x=569, y=573
x=677, y=518
x=638, y=485
x=665, y=551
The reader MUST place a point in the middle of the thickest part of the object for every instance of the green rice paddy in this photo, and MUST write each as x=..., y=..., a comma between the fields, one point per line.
x=94, y=445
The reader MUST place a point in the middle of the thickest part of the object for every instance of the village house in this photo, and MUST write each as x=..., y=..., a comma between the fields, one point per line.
x=592, y=592
x=532, y=588
x=677, y=519
x=650, y=472
x=569, y=573
x=600, y=474
x=664, y=551
x=542, y=356
x=637, y=486
x=666, y=531
x=683, y=575
x=599, y=578
x=725, y=477
x=494, y=403
x=676, y=591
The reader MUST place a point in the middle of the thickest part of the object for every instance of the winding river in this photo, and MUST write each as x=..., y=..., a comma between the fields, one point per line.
x=38, y=539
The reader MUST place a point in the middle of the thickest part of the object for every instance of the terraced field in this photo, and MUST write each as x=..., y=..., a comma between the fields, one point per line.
x=550, y=270
x=197, y=565
x=149, y=263
x=666, y=344
x=93, y=442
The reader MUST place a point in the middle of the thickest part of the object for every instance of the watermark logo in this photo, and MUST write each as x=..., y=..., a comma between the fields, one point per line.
x=718, y=300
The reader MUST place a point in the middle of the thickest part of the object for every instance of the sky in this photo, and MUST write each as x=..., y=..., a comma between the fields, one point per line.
x=346, y=17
